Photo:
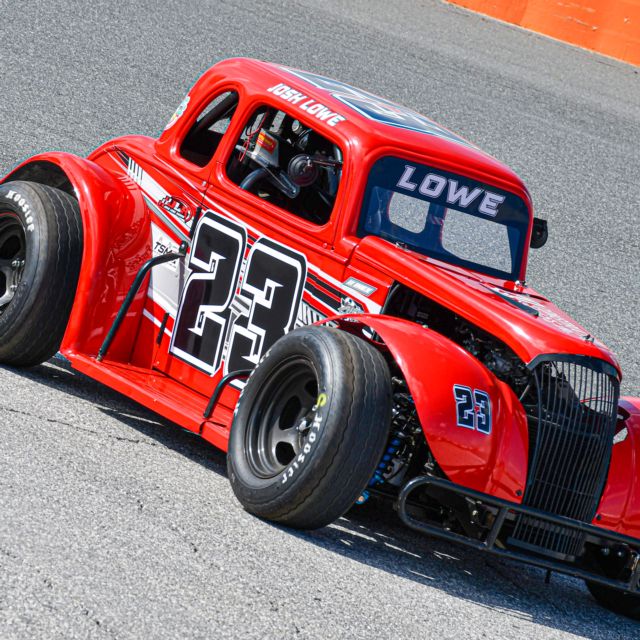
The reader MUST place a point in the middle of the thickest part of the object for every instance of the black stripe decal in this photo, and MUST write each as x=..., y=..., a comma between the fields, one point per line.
x=325, y=285
x=322, y=296
x=321, y=287
x=124, y=158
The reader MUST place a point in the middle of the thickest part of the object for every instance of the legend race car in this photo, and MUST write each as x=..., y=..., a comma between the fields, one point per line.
x=331, y=288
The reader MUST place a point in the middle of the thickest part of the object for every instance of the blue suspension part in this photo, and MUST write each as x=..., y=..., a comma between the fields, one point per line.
x=385, y=466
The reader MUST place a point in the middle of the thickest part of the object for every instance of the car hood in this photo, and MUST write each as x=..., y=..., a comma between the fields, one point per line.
x=520, y=317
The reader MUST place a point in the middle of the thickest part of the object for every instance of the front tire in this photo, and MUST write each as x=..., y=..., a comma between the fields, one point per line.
x=40, y=256
x=626, y=604
x=310, y=427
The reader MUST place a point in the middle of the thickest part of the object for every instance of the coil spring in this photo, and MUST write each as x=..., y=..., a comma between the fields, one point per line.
x=404, y=421
x=386, y=463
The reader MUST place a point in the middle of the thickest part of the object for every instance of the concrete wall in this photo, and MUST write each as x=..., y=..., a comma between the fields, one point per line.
x=611, y=27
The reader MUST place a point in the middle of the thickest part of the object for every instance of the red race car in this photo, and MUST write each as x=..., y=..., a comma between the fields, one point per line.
x=331, y=288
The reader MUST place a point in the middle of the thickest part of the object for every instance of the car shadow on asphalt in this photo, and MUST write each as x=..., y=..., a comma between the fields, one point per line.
x=373, y=535
x=58, y=374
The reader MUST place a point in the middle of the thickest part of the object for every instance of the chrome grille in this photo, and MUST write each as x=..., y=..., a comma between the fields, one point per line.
x=572, y=416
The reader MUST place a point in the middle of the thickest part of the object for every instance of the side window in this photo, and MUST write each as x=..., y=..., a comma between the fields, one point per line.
x=286, y=163
x=206, y=133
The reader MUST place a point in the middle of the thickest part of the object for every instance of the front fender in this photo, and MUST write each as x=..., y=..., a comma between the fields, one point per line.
x=619, y=508
x=116, y=241
x=493, y=463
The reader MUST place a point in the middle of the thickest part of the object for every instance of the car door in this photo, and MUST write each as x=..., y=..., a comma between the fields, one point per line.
x=262, y=260
x=174, y=193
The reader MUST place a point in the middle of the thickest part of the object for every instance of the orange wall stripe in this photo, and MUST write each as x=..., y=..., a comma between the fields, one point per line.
x=611, y=27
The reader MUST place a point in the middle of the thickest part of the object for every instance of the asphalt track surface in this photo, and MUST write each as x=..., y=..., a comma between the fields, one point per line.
x=116, y=524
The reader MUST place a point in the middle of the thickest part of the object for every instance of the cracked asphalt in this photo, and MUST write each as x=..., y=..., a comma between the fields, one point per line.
x=116, y=524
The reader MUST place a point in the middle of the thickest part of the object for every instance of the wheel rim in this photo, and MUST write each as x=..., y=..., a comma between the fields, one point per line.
x=12, y=256
x=280, y=423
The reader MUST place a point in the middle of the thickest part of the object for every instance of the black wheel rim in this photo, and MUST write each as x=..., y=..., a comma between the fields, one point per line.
x=280, y=423
x=12, y=257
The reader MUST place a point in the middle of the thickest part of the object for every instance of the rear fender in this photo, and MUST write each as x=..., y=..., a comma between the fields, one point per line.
x=116, y=242
x=435, y=368
x=619, y=508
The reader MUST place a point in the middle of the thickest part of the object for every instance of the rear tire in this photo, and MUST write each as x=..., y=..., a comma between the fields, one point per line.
x=40, y=257
x=310, y=427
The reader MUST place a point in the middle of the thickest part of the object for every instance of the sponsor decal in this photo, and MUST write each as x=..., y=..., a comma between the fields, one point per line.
x=176, y=207
x=162, y=245
x=359, y=286
x=166, y=280
x=266, y=141
x=309, y=105
x=152, y=192
x=349, y=306
x=435, y=186
x=182, y=107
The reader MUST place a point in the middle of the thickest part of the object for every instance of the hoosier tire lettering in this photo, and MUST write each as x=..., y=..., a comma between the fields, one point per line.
x=26, y=209
x=40, y=254
x=306, y=449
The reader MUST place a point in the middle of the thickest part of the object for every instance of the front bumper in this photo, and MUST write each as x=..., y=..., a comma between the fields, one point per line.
x=495, y=543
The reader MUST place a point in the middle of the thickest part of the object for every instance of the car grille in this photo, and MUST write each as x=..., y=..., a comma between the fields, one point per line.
x=572, y=410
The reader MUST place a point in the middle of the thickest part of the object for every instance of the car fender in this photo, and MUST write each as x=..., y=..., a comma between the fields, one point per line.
x=494, y=463
x=619, y=508
x=114, y=247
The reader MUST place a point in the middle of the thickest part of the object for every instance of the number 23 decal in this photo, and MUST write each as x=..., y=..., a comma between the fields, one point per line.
x=217, y=321
x=473, y=408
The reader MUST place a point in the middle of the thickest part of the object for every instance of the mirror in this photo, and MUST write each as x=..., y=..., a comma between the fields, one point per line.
x=540, y=233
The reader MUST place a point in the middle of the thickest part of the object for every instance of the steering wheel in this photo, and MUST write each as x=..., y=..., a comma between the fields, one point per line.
x=277, y=176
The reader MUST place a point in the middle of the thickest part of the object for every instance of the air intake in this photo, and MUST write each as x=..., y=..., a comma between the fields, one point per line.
x=572, y=417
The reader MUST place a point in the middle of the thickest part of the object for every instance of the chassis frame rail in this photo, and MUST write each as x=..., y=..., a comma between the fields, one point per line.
x=504, y=508
x=215, y=396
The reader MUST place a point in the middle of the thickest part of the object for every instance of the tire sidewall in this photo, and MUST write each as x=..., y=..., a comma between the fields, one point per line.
x=330, y=413
x=20, y=200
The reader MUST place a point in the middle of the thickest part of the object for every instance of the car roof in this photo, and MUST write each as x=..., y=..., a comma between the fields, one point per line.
x=358, y=118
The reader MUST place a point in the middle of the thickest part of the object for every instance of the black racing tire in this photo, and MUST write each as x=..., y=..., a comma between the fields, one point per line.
x=620, y=602
x=41, y=233
x=310, y=427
